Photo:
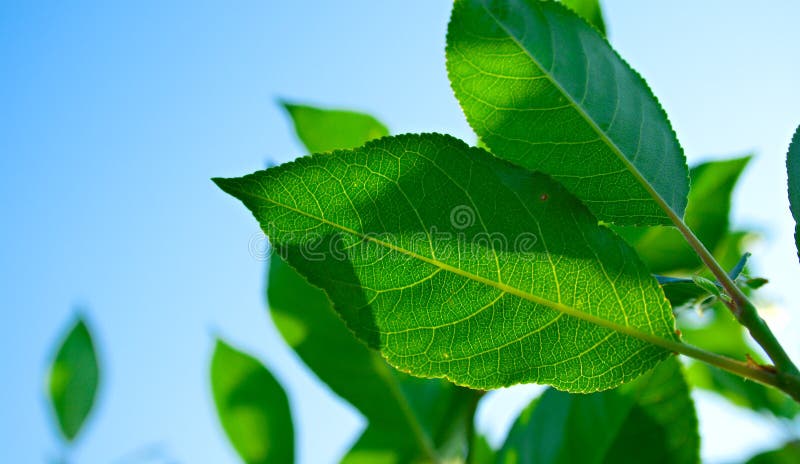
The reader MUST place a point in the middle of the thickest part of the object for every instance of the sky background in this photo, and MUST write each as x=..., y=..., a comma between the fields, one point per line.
x=114, y=115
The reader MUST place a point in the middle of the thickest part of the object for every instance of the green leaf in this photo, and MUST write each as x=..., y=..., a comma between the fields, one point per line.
x=706, y=284
x=664, y=249
x=343, y=129
x=793, y=170
x=788, y=454
x=650, y=420
x=252, y=407
x=407, y=417
x=544, y=90
x=73, y=380
x=589, y=10
x=456, y=264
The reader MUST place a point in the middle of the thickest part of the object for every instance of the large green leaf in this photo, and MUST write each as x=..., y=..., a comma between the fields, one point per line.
x=73, y=380
x=650, y=420
x=664, y=249
x=323, y=130
x=793, y=170
x=252, y=407
x=407, y=417
x=589, y=10
x=456, y=264
x=788, y=454
x=546, y=91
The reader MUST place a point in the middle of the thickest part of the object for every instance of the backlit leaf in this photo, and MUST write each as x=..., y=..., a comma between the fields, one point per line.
x=544, y=90
x=344, y=129
x=456, y=264
x=252, y=407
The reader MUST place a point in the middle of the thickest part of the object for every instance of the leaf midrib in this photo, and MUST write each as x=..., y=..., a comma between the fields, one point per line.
x=610, y=143
x=670, y=345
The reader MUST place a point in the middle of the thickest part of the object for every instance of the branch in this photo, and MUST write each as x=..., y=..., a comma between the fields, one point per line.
x=741, y=307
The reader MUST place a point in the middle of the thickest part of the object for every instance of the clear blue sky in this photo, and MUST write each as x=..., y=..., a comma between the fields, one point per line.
x=114, y=116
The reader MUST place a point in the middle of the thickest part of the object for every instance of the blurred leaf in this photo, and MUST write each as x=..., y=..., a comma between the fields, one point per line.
x=322, y=130
x=252, y=407
x=360, y=234
x=544, y=90
x=793, y=171
x=590, y=10
x=482, y=451
x=73, y=380
x=788, y=454
x=664, y=249
x=649, y=420
x=407, y=417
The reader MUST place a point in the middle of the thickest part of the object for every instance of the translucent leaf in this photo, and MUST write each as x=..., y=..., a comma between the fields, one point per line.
x=456, y=264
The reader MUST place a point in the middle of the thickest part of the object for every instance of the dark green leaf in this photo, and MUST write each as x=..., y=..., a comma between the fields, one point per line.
x=342, y=129
x=793, y=170
x=651, y=420
x=543, y=89
x=788, y=454
x=73, y=380
x=252, y=407
x=589, y=10
x=488, y=282
x=664, y=249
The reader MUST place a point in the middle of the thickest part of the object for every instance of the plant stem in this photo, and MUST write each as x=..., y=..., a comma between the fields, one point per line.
x=741, y=307
x=473, y=407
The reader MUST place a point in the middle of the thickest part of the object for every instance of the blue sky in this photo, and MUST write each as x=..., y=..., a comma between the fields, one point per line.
x=113, y=117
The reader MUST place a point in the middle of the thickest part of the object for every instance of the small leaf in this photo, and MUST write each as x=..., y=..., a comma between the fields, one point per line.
x=589, y=10
x=487, y=283
x=544, y=90
x=707, y=285
x=649, y=420
x=788, y=454
x=793, y=170
x=73, y=380
x=664, y=249
x=344, y=129
x=252, y=407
